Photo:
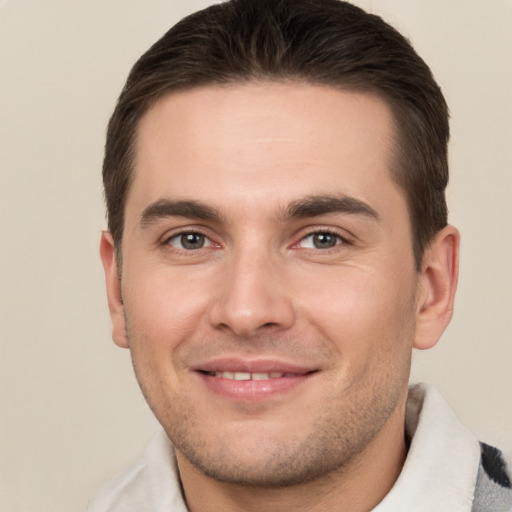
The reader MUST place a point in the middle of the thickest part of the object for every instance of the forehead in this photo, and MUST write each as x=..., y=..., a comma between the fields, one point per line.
x=262, y=143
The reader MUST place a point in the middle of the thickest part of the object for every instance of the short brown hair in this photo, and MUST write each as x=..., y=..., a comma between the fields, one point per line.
x=326, y=42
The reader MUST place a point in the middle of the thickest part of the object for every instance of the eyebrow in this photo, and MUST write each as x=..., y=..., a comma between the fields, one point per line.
x=314, y=206
x=186, y=208
x=310, y=206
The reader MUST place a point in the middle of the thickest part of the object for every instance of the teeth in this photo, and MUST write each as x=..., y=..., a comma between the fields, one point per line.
x=249, y=376
x=260, y=376
x=241, y=376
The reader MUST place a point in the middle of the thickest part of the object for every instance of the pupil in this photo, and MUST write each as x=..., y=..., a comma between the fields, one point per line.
x=324, y=240
x=192, y=241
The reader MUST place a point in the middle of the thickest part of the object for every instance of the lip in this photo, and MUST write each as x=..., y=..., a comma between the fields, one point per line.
x=256, y=365
x=293, y=376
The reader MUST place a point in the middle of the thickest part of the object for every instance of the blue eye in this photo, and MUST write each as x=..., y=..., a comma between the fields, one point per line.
x=321, y=240
x=189, y=241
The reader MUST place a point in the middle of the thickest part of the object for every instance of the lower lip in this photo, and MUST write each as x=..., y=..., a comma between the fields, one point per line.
x=252, y=390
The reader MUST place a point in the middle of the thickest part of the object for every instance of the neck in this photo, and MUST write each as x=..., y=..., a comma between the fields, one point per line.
x=356, y=487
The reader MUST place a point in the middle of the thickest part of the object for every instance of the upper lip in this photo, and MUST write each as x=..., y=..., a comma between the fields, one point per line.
x=258, y=365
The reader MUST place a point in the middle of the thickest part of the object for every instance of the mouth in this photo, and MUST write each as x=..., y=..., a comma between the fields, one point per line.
x=252, y=381
x=250, y=376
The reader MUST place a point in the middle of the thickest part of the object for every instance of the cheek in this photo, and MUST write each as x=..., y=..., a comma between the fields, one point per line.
x=360, y=310
x=164, y=306
x=370, y=326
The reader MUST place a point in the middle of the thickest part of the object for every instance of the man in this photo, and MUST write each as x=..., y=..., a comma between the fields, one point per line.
x=278, y=244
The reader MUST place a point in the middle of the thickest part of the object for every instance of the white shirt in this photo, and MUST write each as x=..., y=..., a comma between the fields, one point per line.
x=439, y=474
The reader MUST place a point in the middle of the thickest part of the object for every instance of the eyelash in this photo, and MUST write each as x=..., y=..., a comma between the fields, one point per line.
x=181, y=234
x=340, y=240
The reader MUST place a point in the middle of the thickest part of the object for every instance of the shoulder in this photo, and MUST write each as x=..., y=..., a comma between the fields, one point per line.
x=493, y=490
x=495, y=466
x=117, y=493
x=150, y=485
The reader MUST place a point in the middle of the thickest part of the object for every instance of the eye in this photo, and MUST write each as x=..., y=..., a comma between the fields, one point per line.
x=189, y=241
x=321, y=240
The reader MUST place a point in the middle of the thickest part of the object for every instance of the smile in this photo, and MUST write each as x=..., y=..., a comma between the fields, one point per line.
x=249, y=376
x=252, y=381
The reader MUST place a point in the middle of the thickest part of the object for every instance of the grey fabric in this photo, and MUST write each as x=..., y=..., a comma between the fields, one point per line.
x=493, y=490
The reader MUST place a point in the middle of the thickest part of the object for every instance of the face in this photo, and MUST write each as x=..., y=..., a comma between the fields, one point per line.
x=268, y=292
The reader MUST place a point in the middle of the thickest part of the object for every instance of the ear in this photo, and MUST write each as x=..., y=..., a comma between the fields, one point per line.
x=114, y=295
x=438, y=283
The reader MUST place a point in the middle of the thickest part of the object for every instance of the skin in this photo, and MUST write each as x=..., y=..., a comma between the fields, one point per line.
x=282, y=269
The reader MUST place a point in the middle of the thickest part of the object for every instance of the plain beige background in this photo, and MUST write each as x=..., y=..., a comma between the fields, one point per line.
x=71, y=411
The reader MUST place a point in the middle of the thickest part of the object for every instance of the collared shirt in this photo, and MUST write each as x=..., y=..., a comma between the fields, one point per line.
x=439, y=474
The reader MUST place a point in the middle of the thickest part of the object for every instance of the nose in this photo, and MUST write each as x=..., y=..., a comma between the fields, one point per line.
x=253, y=296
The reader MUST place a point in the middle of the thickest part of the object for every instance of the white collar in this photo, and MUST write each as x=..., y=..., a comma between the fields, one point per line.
x=440, y=471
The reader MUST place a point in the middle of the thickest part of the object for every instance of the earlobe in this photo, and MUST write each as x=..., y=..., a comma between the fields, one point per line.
x=437, y=288
x=113, y=285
